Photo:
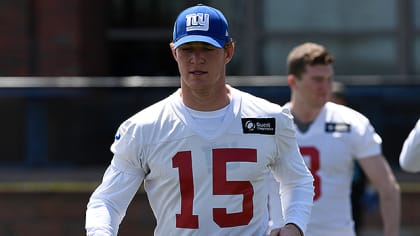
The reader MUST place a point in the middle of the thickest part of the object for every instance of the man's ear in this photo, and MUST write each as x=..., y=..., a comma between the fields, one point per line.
x=230, y=50
x=291, y=80
x=172, y=46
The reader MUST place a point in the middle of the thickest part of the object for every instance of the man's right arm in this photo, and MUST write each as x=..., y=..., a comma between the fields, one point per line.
x=108, y=204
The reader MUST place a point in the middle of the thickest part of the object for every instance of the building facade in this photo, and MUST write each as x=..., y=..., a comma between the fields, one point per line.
x=131, y=37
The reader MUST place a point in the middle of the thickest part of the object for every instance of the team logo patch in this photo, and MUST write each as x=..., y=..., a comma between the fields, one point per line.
x=198, y=21
x=331, y=127
x=259, y=126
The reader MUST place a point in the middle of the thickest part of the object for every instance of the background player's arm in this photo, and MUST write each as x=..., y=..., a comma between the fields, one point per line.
x=383, y=180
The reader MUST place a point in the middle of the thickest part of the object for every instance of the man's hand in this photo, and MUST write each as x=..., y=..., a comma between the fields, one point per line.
x=287, y=230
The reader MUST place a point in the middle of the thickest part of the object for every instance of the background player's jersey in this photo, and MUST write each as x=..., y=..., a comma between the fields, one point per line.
x=201, y=184
x=337, y=136
x=410, y=152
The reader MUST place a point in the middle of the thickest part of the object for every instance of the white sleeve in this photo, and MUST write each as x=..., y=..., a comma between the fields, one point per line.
x=296, y=181
x=108, y=204
x=275, y=213
x=410, y=153
x=367, y=142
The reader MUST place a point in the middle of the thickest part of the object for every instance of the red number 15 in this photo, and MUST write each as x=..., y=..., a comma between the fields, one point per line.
x=221, y=186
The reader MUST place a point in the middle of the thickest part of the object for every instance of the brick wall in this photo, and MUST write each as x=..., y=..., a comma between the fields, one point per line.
x=13, y=38
x=39, y=202
x=63, y=214
x=52, y=38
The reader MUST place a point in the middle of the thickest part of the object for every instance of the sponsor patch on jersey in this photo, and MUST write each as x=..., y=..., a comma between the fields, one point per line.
x=259, y=126
x=331, y=127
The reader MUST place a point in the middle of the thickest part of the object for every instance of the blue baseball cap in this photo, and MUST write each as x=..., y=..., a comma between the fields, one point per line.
x=201, y=23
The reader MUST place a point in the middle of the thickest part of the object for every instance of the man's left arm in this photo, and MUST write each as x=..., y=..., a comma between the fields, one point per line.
x=382, y=178
x=296, y=181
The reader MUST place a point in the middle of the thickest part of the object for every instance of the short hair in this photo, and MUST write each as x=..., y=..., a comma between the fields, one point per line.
x=307, y=54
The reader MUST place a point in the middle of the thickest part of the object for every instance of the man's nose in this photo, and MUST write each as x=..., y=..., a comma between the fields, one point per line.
x=197, y=57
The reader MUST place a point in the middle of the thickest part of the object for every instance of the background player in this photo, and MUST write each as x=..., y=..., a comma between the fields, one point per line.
x=410, y=153
x=330, y=136
x=206, y=151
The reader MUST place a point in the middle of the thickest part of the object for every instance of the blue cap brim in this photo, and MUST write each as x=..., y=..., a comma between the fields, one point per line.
x=199, y=38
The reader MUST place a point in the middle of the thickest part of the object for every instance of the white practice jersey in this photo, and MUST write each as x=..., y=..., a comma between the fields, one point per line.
x=199, y=183
x=337, y=136
x=410, y=153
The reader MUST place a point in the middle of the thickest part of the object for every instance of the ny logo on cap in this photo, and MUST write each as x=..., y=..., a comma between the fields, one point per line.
x=197, y=21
